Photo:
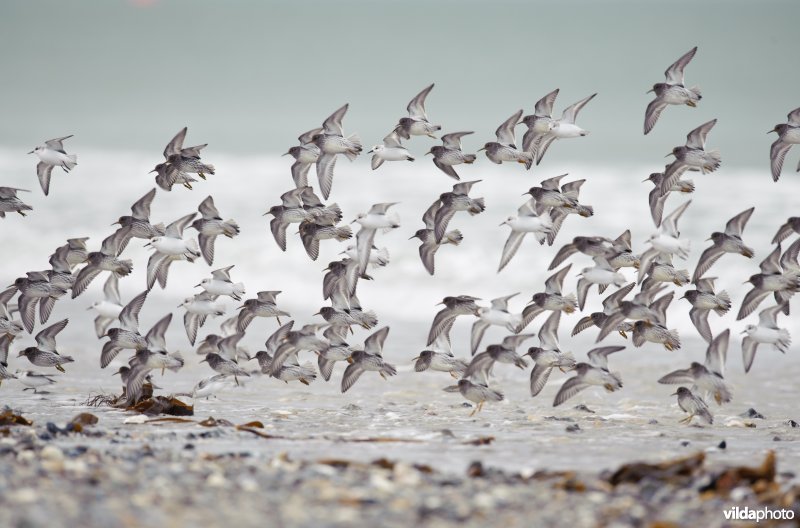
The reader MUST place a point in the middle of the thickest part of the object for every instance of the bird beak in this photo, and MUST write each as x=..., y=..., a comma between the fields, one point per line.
x=116, y=223
x=197, y=285
x=482, y=148
x=668, y=155
x=203, y=360
x=647, y=179
x=31, y=152
x=743, y=332
x=650, y=90
x=523, y=194
x=370, y=151
x=502, y=223
x=318, y=313
x=674, y=393
x=429, y=152
x=152, y=171
x=20, y=354
x=89, y=308
x=148, y=244
x=416, y=358
x=286, y=154
x=412, y=237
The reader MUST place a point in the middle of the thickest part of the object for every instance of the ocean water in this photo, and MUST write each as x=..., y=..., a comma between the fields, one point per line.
x=248, y=77
x=412, y=405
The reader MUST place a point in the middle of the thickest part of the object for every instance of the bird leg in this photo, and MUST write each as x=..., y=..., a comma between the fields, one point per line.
x=60, y=368
x=473, y=411
x=236, y=380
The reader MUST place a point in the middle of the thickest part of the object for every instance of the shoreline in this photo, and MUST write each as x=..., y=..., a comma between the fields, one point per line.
x=90, y=475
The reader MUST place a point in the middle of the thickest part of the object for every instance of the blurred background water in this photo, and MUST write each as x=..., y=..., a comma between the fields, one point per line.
x=248, y=77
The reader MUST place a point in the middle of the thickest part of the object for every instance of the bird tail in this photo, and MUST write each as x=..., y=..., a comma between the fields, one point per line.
x=453, y=237
x=231, y=228
x=335, y=210
x=784, y=340
x=674, y=340
x=72, y=160
x=528, y=157
x=356, y=149
x=494, y=396
x=382, y=257
x=725, y=303
x=388, y=369
x=470, y=158
x=478, y=206
x=343, y=233
x=125, y=267
x=161, y=228
x=682, y=277
x=716, y=161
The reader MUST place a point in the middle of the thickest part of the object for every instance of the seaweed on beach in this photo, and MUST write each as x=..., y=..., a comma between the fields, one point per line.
x=10, y=417
x=163, y=405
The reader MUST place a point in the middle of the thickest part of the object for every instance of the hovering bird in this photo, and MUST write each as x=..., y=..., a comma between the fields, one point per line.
x=137, y=224
x=672, y=91
x=665, y=241
x=449, y=153
x=780, y=275
x=417, y=124
x=495, y=315
x=692, y=156
x=601, y=274
x=610, y=307
x=788, y=135
x=454, y=306
x=127, y=336
x=170, y=248
x=703, y=300
x=52, y=154
x=390, y=150
x=210, y=226
x=547, y=355
x=331, y=141
x=109, y=308
x=707, y=377
x=594, y=373
x=525, y=221
x=551, y=299
x=440, y=362
x=103, y=260
x=305, y=155
x=198, y=308
x=791, y=226
x=10, y=203
x=220, y=283
x=78, y=252
x=429, y=246
x=181, y=161
x=563, y=128
x=369, y=359
x=539, y=123
x=8, y=326
x=728, y=242
x=765, y=332
x=482, y=363
x=36, y=288
x=376, y=218
x=264, y=305
x=44, y=354
x=33, y=380
x=657, y=200
x=505, y=148
x=453, y=202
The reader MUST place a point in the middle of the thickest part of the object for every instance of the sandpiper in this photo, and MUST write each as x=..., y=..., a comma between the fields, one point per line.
x=52, y=154
x=672, y=91
x=449, y=153
x=417, y=124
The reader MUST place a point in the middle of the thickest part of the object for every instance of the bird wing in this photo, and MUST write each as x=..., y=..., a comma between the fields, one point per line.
x=416, y=108
x=141, y=209
x=44, y=171
x=46, y=339
x=155, y=336
x=505, y=132
x=652, y=113
x=510, y=249
x=208, y=209
x=453, y=140
x=539, y=376
x=447, y=169
x=696, y=139
x=544, y=106
x=351, y=375
x=777, y=153
x=571, y=112
x=599, y=356
x=717, y=353
x=175, y=144
x=333, y=124
x=700, y=320
x=555, y=282
x=175, y=229
x=325, y=165
x=570, y=388
x=707, y=259
x=735, y=225
x=674, y=74
x=374, y=343
x=129, y=316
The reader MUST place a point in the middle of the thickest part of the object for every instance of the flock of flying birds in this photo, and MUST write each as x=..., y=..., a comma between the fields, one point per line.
x=643, y=316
